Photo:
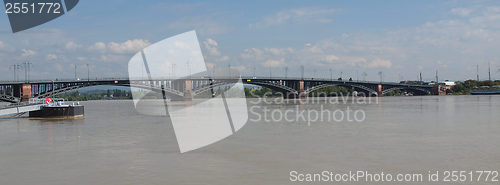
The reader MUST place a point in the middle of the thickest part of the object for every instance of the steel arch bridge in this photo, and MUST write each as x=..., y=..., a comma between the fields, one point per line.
x=15, y=92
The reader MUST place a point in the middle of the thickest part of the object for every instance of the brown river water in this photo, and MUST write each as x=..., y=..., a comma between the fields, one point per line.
x=116, y=145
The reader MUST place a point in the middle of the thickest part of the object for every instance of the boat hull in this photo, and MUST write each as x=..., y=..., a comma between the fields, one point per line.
x=59, y=112
x=485, y=92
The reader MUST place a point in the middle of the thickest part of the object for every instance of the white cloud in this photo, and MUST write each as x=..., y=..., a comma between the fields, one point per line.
x=461, y=11
x=129, y=46
x=314, y=49
x=211, y=42
x=210, y=65
x=223, y=59
x=51, y=57
x=204, y=25
x=81, y=58
x=489, y=18
x=331, y=58
x=297, y=15
x=252, y=53
x=6, y=48
x=325, y=54
x=59, y=67
x=279, y=51
x=442, y=64
x=265, y=53
x=111, y=58
x=379, y=63
x=72, y=45
x=212, y=51
x=27, y=53
x=240, y=68
x=354, y=59
x=274, y=63
x=211, y=47
x=98, y=46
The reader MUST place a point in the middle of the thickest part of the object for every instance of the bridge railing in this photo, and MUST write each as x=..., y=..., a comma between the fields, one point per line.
x=62, y=80
x=36, y=100
x=329, y=80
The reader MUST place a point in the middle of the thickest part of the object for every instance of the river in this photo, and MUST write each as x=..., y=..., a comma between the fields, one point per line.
x=116, y=145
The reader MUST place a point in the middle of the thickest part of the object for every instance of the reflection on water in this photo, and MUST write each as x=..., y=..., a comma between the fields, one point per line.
x=116, y=145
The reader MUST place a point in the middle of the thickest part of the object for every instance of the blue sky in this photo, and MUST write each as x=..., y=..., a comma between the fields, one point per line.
x=399, y=38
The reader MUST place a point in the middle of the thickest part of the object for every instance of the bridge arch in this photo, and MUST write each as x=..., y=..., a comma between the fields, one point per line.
x=370, y=92
x=276, y=87
x=8, y=98
x=172, y=93
x=417, y=90
x=208, y=87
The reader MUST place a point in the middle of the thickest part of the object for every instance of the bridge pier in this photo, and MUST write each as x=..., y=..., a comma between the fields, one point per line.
x=302, y=92
x=26, y=94
x=188, y=90
x=439, y=90
x=379, y=90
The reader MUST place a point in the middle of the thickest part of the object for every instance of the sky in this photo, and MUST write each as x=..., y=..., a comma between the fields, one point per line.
x=354, y=39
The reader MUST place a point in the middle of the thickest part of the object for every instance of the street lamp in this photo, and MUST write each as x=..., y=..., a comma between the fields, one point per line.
x=364, y=74
x=331, y=75
x=286, y=72
x=14, y=67
x=302, y=72
x=254, y=71
x=88, y=73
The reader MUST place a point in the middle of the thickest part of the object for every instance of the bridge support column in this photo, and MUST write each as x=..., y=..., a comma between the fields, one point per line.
x=188, y=92
x=439, y=90
x=379, y=90
x=302, y=92
x=26, y=92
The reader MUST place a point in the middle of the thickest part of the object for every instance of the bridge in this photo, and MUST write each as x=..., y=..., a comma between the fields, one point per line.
x=15, y=92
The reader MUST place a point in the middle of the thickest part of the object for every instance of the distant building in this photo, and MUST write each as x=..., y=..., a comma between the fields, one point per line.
x=445, y=83
x=448, y=83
